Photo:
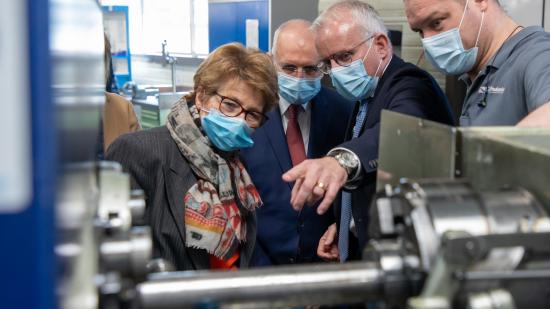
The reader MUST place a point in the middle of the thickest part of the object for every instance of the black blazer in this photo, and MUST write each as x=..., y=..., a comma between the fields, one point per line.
x=157, y=166
x=403, y=88
x=286, y=236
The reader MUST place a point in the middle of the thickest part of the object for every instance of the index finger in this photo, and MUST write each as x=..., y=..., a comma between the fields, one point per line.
x=295, y=172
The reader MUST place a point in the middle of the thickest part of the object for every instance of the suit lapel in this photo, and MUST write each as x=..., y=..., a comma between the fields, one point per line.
x=179, y=177
x=274, y=131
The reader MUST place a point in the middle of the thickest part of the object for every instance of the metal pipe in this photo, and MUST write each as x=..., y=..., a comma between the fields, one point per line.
x=276, y=286
x=173, y=70
x=530, y=274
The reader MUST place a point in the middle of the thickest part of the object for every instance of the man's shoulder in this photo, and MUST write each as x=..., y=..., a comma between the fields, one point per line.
x=331, y=98
x=532, y=48
x=399, y=68
x=405, y=76
x=533, y=36
x=328, y=92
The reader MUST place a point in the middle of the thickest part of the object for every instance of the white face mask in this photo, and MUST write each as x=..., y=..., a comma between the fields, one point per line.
x=446, y=51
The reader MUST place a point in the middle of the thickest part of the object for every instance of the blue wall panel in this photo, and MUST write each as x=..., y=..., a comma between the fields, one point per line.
x=27, y=275
x=227, y=22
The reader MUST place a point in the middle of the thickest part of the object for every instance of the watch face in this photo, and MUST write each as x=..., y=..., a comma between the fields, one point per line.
x=348, y=159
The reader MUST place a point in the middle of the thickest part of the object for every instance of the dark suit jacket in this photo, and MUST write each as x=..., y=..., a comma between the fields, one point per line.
x=157, y=166
x=403, y=88
x=286, y=236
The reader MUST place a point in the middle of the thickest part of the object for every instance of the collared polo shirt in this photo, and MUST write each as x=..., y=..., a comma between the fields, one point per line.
x=515, y=81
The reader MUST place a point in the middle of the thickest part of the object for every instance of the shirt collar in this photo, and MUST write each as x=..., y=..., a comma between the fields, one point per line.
x=508, y=47
x=284, y=105
x=504, y=52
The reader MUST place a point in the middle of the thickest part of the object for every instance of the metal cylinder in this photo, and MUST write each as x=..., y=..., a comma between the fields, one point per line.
x=441, y=206
x=137, y=207
x=276, y=286
x=128, y=255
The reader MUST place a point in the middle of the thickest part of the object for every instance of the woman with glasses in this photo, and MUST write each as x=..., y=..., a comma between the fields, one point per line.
x=200, y=200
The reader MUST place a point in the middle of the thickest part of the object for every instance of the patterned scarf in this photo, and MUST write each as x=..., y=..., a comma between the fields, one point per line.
x=213, y=217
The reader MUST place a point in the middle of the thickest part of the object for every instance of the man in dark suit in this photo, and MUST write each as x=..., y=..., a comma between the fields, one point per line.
x=310, y=121
x=357, y=53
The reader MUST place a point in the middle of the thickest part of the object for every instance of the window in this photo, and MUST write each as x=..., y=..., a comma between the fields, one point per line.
x=182, y=23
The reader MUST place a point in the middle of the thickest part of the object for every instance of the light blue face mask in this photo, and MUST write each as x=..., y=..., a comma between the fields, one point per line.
x=353, y=82
x=227, y=133
x=298, y=90
x=446, y=51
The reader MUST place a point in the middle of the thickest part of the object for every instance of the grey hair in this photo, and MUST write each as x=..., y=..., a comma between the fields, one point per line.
x=364, y=14
x=284, y=25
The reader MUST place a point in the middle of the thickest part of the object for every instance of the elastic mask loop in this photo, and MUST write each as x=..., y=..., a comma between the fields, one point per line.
x=377, y=68
x=480, y=26
x=463, y=14
x=368, y=51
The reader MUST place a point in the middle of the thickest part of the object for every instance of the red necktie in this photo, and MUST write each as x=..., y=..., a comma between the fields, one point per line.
x=294, y=136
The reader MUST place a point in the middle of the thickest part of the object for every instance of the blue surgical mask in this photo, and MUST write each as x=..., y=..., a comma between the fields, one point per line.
x=353, y=82
x=227, y=133
x=446, y=51
x=298, y=90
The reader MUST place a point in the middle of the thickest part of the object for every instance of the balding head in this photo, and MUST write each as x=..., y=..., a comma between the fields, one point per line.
x=294, y=44
x=296, y=30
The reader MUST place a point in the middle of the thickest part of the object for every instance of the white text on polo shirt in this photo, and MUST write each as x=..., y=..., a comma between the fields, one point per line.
x=493, y=90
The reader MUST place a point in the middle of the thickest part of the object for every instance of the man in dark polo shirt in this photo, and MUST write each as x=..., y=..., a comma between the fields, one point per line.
x=506, y=66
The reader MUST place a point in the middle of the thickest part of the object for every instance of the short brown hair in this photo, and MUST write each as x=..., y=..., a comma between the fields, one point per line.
x=248, y=65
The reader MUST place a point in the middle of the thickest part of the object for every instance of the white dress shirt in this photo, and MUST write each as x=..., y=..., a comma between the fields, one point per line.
x=304, y=119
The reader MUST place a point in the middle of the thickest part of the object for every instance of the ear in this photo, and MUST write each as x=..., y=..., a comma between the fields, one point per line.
x=481, y=4
x=200, y=98
x=382, y=45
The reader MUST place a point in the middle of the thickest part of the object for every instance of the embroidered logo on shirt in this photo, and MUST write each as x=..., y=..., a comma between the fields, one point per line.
x=492, y=90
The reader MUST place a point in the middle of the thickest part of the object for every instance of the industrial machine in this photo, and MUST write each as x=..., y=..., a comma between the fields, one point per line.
x=101, y=246
x=461, y=219
x=70, y=226
x=456, y=224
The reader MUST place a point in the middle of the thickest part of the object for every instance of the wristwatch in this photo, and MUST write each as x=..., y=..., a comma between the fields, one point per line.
x=347, y=160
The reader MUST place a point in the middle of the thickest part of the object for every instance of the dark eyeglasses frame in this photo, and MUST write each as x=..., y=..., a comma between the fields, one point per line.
x=314, y=69
x=243, y=110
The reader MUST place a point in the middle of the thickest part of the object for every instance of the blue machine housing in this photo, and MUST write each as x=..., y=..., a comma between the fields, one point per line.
x=27, y=241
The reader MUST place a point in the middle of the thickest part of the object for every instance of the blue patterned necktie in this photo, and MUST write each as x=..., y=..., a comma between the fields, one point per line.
x=345, y=209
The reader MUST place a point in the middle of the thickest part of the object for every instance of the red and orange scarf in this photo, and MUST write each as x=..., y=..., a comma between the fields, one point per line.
x=213, y=217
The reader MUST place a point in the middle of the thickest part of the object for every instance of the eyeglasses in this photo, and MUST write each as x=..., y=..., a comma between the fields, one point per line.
x=232, y=108
x=343, y=58
x=308, y=70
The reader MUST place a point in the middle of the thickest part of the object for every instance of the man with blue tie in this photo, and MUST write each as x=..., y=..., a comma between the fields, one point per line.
x=357, y=53
x=310, y=121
